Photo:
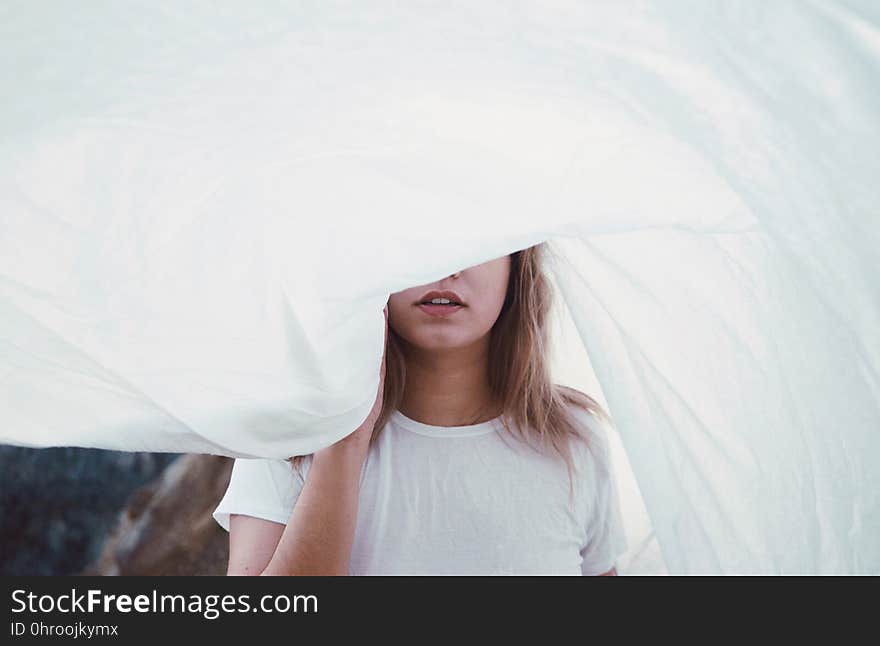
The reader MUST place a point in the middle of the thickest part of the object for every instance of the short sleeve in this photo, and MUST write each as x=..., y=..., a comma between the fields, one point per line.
x=605, y=540
x=263, y=488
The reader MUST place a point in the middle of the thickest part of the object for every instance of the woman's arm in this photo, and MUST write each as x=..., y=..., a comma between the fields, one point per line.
x=318, y=537
x=252, y=543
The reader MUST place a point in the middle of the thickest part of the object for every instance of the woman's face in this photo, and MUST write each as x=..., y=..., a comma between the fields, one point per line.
x=480, y=289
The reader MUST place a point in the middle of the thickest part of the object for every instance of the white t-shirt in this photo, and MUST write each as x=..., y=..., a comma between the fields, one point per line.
x=458, y=500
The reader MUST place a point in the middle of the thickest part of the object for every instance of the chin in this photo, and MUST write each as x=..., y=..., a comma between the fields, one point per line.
x=436, y=343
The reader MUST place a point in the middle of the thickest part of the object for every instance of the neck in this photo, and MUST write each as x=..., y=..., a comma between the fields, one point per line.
x=449, y=387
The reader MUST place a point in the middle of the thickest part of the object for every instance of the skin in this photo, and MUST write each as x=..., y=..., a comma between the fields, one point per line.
x=447, y=358
x=446, y=385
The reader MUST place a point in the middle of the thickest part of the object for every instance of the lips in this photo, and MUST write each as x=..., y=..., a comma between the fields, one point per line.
x=439, y=310
x=451, y=296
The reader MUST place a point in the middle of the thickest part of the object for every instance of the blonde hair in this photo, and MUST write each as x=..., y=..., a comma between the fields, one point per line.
x=519, y=372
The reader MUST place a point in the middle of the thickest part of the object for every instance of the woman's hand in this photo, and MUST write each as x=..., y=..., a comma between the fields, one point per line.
x=318, y=537
x=361, y=436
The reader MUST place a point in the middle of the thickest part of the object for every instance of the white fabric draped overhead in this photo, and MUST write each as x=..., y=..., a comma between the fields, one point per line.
x=204, y=209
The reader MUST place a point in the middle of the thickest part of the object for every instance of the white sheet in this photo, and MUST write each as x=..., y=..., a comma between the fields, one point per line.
x=204, y=211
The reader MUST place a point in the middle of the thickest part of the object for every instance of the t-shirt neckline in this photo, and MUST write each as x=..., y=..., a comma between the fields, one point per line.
x=482, y=428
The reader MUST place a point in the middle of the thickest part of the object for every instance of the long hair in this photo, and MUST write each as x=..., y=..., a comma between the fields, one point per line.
x=534, y=410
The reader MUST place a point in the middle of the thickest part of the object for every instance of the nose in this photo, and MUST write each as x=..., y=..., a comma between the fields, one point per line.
x=456, y=274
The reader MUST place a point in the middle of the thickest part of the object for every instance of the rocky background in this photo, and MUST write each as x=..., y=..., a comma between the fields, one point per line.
x=89, y=511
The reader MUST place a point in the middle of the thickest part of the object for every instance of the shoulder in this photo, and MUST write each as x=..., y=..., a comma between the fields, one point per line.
x=274, y=472
x=584, y=410
x=578, y=399
x=593, y=425
x=264, y=488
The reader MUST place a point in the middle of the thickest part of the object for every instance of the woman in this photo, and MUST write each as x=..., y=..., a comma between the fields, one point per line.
x=470, y=462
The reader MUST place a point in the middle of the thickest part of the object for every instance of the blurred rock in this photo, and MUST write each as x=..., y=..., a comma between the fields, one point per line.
x=167, y=528
x=57, y=504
